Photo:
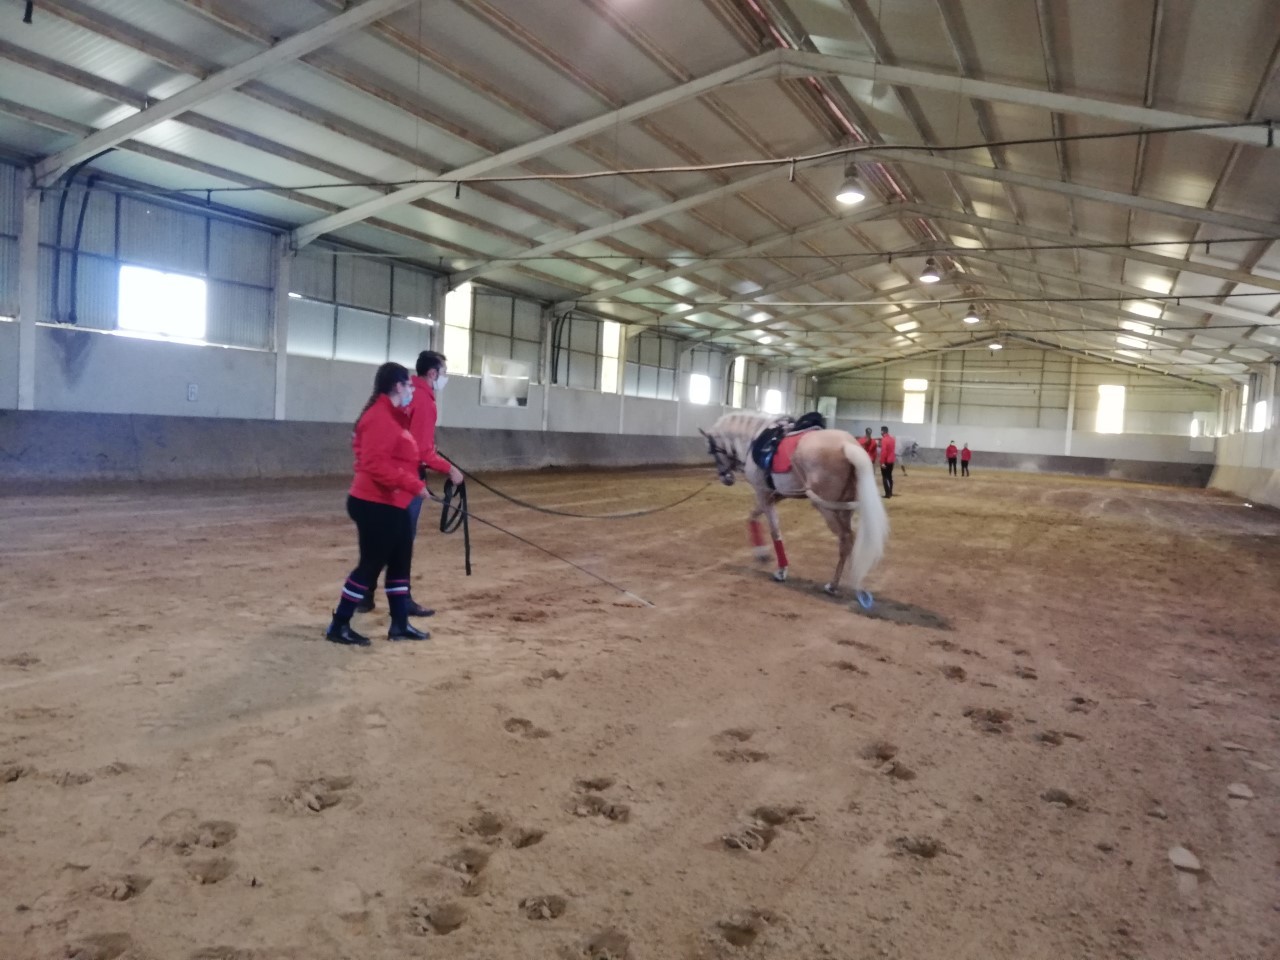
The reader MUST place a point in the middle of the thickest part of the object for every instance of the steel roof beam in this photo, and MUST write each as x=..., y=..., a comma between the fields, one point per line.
x=745, y=250
x=617, y=226
x=1164, y=207
x=1155, y=259
x=578, y=131
x=1128, y=292
x=802, y=63
x=50, y=168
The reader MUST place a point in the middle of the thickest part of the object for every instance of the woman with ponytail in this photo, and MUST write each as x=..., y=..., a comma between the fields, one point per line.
x=386, y=482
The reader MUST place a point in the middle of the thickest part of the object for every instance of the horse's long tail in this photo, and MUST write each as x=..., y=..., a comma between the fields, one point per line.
x=873, y=527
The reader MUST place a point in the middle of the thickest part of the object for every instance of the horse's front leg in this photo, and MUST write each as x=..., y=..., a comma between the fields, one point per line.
x=769, y=505
x=756, y=532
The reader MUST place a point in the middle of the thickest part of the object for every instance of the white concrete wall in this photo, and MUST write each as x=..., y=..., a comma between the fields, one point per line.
x=1248, y=464
x=85, y=371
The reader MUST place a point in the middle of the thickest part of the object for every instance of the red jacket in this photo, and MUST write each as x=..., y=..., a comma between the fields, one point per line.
x=422, y=424
x=951, y=451
x=868, y=444
x=386, y=456
x=888, y=449
x=965, y=454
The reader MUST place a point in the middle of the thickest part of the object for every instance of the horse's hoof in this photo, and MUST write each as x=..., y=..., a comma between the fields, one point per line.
x=865, y=600
x=762, y=554
x=780, y=575
x=829, y=590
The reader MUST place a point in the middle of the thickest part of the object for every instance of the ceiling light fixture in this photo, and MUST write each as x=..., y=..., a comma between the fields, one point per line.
x=930, y=274
x=851, y=190
x=997, y=345
x=972, y=316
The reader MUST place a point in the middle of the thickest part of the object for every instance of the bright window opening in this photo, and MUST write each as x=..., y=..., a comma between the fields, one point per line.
x=772, y=401
x=457, y=328
x=739, y=380
x=913, y=391
x=1196, y=427
x=161, y=304
x=913, y=408
x=1260, y=416
x=1110, y=408
x=610, y=350
x=699, y=388
x=1244, y=407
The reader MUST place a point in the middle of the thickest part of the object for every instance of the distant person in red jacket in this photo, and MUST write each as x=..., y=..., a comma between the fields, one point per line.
x=432, y=374
x=965, y=455
x=952, y=453
x=868, y=443
x=888, y=457
x=385, y=483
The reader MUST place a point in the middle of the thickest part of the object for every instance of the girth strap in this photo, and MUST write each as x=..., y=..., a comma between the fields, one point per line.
x=831, y=504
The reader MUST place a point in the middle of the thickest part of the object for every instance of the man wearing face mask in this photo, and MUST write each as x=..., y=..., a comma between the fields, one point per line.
x=432, y=375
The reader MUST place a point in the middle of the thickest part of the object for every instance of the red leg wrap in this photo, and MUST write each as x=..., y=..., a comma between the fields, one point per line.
x=781, y=551
x=757, y=534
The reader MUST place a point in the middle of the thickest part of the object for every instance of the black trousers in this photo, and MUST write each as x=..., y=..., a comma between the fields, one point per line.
x=964, y=468
x=386, y=541
x=951, y=466
x=886, y=475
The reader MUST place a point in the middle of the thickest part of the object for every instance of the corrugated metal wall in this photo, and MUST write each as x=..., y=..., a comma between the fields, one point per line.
x=510, y=328
x=365, y=297
x=10, y=224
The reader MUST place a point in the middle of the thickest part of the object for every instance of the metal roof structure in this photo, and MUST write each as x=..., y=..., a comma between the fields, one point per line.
x=673, y=164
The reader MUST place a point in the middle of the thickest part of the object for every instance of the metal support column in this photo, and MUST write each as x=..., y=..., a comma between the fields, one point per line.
x=1071, y=410
x=28, y=297
x=280, y=320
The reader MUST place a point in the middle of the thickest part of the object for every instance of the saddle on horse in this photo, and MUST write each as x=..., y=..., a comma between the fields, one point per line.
x=772, y=450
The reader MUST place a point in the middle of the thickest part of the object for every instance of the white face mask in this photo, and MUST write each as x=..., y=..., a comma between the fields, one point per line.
x=441, y=380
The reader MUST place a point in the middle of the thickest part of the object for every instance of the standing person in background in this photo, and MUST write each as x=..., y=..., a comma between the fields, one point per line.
x=952, y=453
x=888, y=456
x=965, y=455
x=432, y=374
x=385, y=483
x=868, y=443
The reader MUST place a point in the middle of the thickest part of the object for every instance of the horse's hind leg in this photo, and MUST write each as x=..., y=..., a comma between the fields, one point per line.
x=841, y=524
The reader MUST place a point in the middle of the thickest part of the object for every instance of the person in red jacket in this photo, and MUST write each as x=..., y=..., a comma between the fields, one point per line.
x=385, y=483
x=965, y=456
x=431, y=376
x=952, y=453
x=888, y=457
x=868, y=443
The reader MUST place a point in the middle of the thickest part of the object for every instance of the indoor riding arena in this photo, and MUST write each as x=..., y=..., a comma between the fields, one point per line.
x=630, y=690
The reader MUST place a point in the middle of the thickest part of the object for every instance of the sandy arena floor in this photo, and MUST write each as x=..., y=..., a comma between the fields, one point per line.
x=1071, y=679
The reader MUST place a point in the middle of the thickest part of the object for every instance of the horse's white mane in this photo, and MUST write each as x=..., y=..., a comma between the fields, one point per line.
x=737, y=430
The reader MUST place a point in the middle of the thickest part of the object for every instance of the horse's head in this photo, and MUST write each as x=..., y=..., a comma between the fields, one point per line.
x=727, y=461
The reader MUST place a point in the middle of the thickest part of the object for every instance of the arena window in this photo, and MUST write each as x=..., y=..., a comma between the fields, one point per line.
x=161, y=304
x=1110, y=408
x=457, y=328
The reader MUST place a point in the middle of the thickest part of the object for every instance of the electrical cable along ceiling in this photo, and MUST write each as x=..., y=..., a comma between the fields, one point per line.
x=824, y=184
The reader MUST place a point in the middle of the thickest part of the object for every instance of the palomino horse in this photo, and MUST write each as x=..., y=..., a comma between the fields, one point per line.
x=830, y=469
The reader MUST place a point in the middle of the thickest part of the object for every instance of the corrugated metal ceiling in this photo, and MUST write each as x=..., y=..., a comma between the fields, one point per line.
x=438, y=85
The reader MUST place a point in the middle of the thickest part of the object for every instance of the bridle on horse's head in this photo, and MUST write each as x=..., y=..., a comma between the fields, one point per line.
x=727, y=462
